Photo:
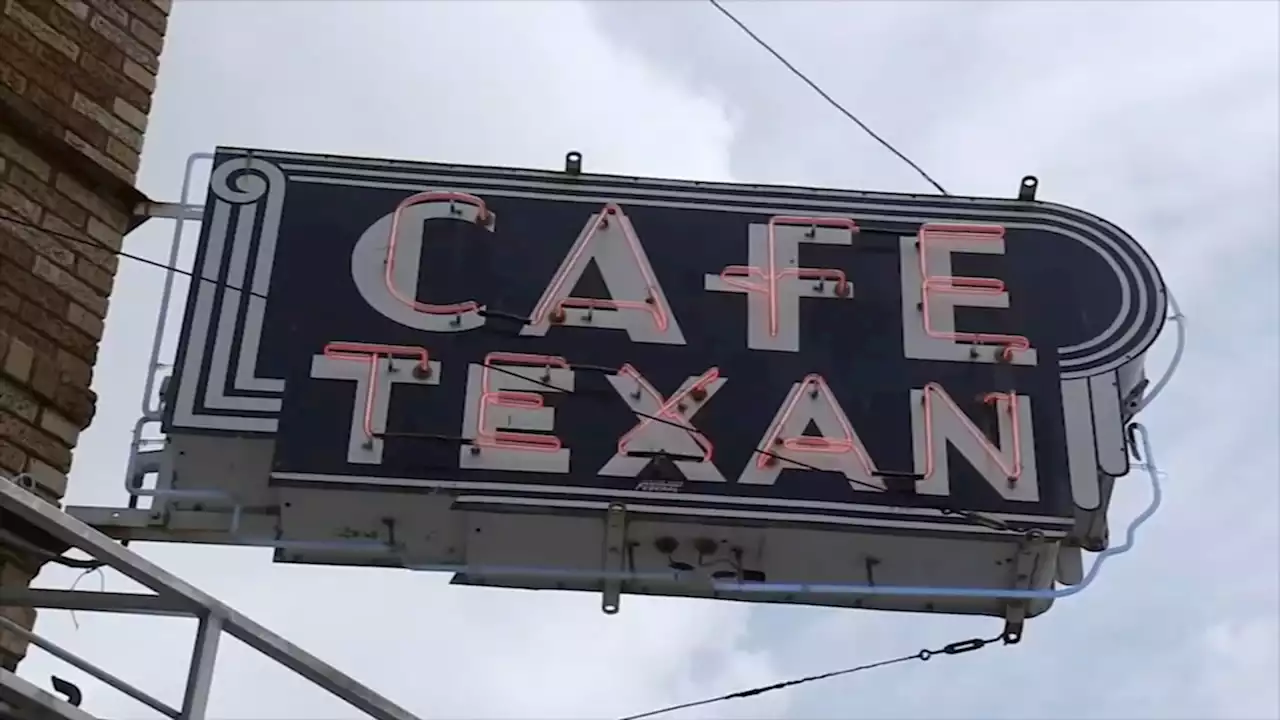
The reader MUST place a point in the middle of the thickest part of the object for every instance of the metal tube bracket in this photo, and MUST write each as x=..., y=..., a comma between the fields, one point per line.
x=615, y=555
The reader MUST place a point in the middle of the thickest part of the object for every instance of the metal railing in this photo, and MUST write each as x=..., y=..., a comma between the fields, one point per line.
x=170, y=596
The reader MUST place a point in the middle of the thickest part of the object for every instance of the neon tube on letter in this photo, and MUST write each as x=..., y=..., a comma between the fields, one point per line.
x=732, y=274
x=364, y=352
x=482, y=216
x=514, y=399
x=650, y=305
x=1013, y=473
x=962, y=285
x=666, y=408
x=805, y=443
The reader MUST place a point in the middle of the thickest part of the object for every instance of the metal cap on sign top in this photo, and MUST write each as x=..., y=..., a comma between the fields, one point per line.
x=1027, y=188
x=573, y=163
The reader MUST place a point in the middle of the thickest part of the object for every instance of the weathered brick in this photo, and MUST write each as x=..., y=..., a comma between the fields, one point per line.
x=96, y=277
x=34, y=441
x=26, y=208
x=33, y=239
x=114, y=12
x=147, y=36
x=87, y=199
x=75, y=7
x=44, y=373
x=17, y=362
x=18, y=401
x=53, y=74
x=166, y=6
x=133, y=49
x=76, y=403
x=80, y=243
x=51, y=199
x=42, y=346
x=148, y=13
x=108, y=120
x=62, y=333
x=90, y=42
x=49, y=481
x=9, y=301
x=130, y=114
x=58, y=426
x=85, y=320
x=12, y=458
x=109, y=81
x=125, y=154
x=92, y=135
x=73, y=369
x=97, y=156
x=20, y=108
x=44, y=66
x=71, y=286
x=33, y=288
x=25, y=52
x=41, y=29
x=102, y=234
x=10, y=77
x=140, y=75
x=13, y=245
x=17, y=152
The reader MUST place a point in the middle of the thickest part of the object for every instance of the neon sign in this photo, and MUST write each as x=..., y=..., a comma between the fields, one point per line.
x=584, y=337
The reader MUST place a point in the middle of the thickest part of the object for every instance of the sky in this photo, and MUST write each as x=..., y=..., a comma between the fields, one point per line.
x=1162, y=117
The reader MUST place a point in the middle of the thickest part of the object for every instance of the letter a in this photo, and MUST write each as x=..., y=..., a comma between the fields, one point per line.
x=636, y=302
x=838, y=449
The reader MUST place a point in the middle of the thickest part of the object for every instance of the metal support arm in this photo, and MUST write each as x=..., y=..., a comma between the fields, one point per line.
x=172, y=596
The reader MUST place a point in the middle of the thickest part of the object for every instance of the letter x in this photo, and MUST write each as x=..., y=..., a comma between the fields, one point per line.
x=672, y=433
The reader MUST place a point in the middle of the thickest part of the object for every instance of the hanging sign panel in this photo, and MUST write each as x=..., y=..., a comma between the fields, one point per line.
x=730, y=351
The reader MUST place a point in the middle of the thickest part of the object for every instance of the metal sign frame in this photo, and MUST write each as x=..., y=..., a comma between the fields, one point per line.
x=194, y=515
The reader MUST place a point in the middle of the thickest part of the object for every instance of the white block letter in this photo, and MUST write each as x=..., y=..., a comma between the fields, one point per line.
x=386, y=258
x=376, y=369
x=838, y=449
x=505, y=394
x=636, y=302
x=774, y=281
x=690, y=451
x=930, y=296
x=1010, y=467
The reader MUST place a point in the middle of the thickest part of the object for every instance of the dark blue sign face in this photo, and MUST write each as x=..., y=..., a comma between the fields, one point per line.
x=759, y=352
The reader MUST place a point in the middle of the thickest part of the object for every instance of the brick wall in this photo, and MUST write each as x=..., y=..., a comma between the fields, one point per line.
x=76, y=79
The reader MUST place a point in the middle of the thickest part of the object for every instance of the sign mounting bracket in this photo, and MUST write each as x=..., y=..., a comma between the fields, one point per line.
x=1024, y=566
x=615, y=557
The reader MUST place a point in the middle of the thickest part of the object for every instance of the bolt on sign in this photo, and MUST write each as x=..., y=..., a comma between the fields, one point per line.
x=555, y=380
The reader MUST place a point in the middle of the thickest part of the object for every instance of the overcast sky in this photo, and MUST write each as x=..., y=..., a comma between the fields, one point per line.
x=1160, y=117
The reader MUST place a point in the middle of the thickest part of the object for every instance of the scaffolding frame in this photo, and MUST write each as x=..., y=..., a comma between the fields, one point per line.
x=170, y=596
